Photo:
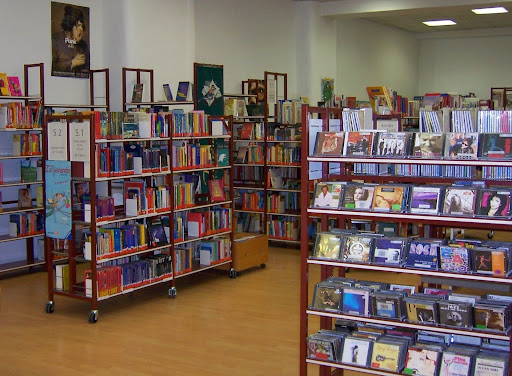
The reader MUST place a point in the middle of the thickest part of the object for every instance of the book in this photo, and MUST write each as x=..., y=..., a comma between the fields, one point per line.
x=358, y=196
x=157, y=234
x=137, y=93
x=247, y=130
x=461, y=145
x=327, y=195
x=329, y=143
x=4, y=85
x=216, y=190
x=24, y=198
x=14, y=86
x=183, y=92
x=241, y=154
x=222, y=156
x=130, y=130
x=167, y=92
x=459, y=201
x=493, y=203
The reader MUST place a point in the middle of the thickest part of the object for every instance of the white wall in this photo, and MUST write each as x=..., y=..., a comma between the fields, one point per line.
x=465, y=62
x=316, y=50
x=372, y=55
x=248, y=37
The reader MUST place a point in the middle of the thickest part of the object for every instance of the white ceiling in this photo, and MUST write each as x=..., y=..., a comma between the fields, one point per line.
x=404, y=16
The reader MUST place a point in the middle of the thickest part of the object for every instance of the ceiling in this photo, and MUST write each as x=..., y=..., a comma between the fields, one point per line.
x=411, y=19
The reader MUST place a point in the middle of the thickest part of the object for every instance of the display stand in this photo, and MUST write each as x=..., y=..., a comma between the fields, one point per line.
x=327, y=267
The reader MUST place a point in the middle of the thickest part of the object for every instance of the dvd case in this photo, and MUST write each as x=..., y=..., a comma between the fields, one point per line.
x=356, y=301
x=329, y=144
x=425, y=199
x=389, y=198
x=356, y=351
x=327, y=297
x=328, y=194
x=358, y=248
x=493, y=203
x=423, y=254
x=358, y=196
x=461, y=145
x=459, y=201
x=358, y=144
x=389, y=251
x=327, y=246
x=392, y=144
x=428, y=145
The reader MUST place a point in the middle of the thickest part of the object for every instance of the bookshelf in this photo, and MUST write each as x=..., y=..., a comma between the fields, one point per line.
x=501, y=98
x=21, y=183
x=125, y=221
x=133, y=76
x=99, y=91
x=344, y=216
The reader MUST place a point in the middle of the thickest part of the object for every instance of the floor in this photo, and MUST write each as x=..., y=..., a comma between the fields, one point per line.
x=215, y=326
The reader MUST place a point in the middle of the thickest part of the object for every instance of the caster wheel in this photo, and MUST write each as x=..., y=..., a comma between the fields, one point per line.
x=49, y=307
x=263, y=266
x=172, y=292
x=93, y=317
x=232, y=273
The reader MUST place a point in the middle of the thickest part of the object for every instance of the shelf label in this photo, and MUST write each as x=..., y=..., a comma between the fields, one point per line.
x=57, y=141
x=80, y=141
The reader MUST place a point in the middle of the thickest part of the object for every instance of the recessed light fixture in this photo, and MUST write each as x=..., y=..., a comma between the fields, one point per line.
x=494, y=10
x=439, y=23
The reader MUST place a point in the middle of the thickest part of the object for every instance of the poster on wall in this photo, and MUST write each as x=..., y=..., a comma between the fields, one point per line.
x=57, y=201
x=327, y=89
x=70, y=40
x=209, y=88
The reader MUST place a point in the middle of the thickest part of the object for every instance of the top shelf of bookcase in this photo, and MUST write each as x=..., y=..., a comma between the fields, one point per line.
x=161, y=103
x=414, y=161
x=34, y=98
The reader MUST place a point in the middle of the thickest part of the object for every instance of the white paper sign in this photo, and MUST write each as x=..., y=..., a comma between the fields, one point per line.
x=57, y=141
x=390, y=125
x=271, y=91
x=80, y=141
x=315, y=168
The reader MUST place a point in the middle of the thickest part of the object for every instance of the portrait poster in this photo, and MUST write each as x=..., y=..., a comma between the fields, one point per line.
x=209, y=88
x=327, y=89
x=70, y=40
x=58, y=199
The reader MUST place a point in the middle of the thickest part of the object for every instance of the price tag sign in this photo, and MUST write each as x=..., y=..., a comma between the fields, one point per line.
x=57, y=141
x=80, y=141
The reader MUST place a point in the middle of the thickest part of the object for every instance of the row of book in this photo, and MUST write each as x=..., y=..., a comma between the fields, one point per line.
x=191, y=124
x=449, y=145
x=208, y=221
x=115, y=279
x=485, y=121
x=398, y=169
x=286, y=155
x=363, y=298
x=127, y=125
x=390, y=350
x=252, y=154
x=27, y=144
x=131, y=159
x=457, y=256
x=14, y=115
x=251, y=131
x=26, y=224
x=279, y=132
x=454, y=200
x=289, y=111
x=250, y=200
x=284, y=229
x=283, y=201
x=187, y=155
x=214, y=251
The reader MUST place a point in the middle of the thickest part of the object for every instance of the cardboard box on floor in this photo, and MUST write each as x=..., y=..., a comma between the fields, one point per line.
x=249, y=250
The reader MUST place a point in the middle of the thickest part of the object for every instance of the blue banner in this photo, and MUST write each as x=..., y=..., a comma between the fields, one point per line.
x=58, y=199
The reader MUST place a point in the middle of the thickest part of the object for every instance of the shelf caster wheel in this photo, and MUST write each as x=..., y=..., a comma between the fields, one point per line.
x=49, y=307
x=172, y=292
x=93, y=317
x=232, y=273
x=263, y=266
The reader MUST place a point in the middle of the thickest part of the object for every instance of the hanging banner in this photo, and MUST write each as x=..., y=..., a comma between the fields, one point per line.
x=58, y=199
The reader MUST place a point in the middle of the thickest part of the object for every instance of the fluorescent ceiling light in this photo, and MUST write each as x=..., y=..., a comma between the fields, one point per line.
x=489, y=10
x=439, y=23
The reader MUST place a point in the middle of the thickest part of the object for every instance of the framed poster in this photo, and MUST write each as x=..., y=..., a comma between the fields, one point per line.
x=209, y=88
x=70, y=40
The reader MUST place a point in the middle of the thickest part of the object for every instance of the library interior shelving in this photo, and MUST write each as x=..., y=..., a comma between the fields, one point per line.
x=430, y=225
x=22, y=135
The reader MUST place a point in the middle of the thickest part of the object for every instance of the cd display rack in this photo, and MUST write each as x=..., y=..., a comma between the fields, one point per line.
x=327, y=267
